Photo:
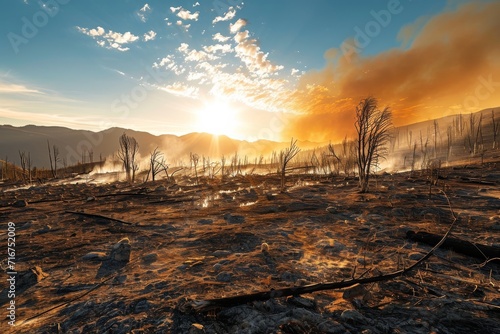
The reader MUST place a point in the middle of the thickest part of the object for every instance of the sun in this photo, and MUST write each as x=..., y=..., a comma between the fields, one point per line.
x=218, y=118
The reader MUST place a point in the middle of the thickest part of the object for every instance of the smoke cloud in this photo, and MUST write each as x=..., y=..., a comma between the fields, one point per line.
x=447, y=64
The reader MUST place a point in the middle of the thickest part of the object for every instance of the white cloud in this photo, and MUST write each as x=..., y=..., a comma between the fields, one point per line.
x=184, y=26
x=183, y=48
x=227, y=16
x=219, y=38
x=196, y=4
x=180, y=89
x=234, y=28
x=143, y=13
x=185, y=14
x=294, y=71
x=251, y=55
x=110, y=39
x=224, y=48
x=195, y=55
x=149, y=36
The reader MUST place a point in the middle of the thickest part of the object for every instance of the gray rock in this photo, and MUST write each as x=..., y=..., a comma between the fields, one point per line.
x=331, y=209
x=221, y=253
x=150, y=258
x=236, y=219
x=205, y=221
x=224, y=277
x=44, y=229
x=142, y=306
x=95, y=256
x=353, y=316
x=121, y=251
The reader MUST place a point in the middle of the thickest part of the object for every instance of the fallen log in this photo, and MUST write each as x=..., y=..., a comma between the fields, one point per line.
x=93, y=215
x=465, y=247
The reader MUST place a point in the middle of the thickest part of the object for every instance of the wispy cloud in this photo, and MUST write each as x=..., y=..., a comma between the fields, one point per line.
x=109, y=40
x=184, y=13
x=219, y=38
x=144, y=12
x=11, y=88
x=149, y=36
x=229, y=15
x=180, y=89
x=235, y=27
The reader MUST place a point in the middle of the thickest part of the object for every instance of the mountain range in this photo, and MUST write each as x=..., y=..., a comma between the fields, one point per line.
x=83, y=146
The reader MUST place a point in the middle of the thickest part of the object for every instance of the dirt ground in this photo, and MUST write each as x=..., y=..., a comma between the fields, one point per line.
x=219, y=239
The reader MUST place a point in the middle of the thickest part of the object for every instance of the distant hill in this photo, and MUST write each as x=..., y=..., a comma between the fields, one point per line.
x=77, y=145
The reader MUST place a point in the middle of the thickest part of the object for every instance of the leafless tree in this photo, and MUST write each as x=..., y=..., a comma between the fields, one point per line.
x=373, y=131
x=157, y=164
x=286, y=156
x=195, y=158
x=496, y=128
x=53, y=158
x=127, y=155
x=26, y=165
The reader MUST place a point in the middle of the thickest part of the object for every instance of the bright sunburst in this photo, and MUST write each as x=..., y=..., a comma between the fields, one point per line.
x=218, y=118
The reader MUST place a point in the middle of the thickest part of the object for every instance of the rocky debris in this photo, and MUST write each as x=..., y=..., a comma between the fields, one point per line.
x=205, y=221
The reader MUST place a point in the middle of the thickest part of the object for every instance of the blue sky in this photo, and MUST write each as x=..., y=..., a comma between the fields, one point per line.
x=225, y=66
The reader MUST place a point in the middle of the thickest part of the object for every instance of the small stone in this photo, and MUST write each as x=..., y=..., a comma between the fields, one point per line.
x=44, y=229
x=331, y=209
x=205, y=221
x=142, y=306
x=217, y=267
x=150, y=258
x=224, y=277
x=21, y=203
x=234, y=219
x=121, y=251
x=160, y=189
x=355, y=291
x=353, y=316
x=95, y=256
x=90, y=198
x=120, y=279
x=221, y=253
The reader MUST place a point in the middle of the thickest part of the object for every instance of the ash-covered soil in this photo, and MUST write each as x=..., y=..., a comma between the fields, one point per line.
x=77, y=273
